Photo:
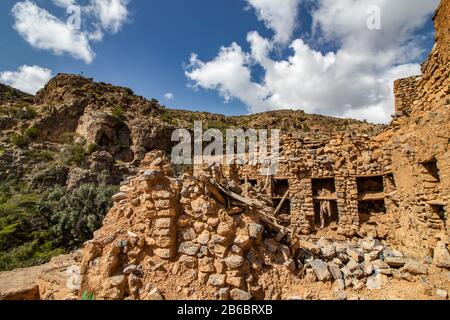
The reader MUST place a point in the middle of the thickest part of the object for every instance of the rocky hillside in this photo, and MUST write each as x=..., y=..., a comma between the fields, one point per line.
x=65, y=149
x=286, y=120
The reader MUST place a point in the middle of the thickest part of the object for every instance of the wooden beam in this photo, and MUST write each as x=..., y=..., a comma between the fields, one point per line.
x=281, y=203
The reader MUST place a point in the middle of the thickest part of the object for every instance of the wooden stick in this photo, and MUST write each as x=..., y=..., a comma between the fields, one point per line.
x=281, y=203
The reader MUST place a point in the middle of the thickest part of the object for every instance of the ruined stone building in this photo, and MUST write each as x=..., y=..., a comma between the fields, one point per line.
x=394, y=185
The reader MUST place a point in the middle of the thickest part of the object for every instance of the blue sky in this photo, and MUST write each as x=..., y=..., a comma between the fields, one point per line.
x=150, y=52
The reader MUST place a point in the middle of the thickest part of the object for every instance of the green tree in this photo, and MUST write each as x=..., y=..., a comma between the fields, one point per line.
x=76, y=214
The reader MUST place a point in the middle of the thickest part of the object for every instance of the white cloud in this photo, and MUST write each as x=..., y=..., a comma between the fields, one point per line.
x=169, y=96
x=64, y=3
x=356, y=80
x=112, y=14
x=278, y=15
x=228, y=73
x=27, y=78
x=44, y=31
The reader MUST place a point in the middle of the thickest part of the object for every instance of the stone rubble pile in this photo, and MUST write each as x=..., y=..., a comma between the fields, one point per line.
x=363, y=264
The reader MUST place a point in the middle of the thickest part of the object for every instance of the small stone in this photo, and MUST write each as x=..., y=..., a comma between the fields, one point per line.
x=375, y=282
x=335, y=272
x=355, y=254
x=163, y=253
x=163, y=223
x=294, y=298
x=188, y=248
x=224, y=293
x=255, y=230
x=343, y=257
x=203, y=277
x=328, y=252
x=290, y=265
x=320, y=268
x=358, y=285
x=155, y=295
x=340, y=285
x=119, y=197
x=311, y=276
x=188, y=261
x=151, y=174
x=213, y=222
x=242, y=241
x=131, y=268
x=415, y=268
x=271, y=245
x=352, y=265
x=443, y=294
x=395, y=262
x=235, y=281
x=240, y=295
x=204, y=238
x=340, y=295
x=234, y=261
x=441, y=256
x=117, y=281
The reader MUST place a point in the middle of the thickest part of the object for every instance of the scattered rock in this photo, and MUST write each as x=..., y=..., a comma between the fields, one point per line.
x=240, y=295
x=320, y=268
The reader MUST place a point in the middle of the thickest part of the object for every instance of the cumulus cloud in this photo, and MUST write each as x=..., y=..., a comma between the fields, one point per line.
x=169, y=96
x=278, y=15
x=112, y=14
x=229, y=74
x=355, y=80
x=64, y=3
x=43, y=30
x=27, y=78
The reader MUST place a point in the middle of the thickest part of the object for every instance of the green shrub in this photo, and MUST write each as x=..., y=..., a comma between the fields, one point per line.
x=43, y=155
x=32, y=132
x=118, y=112
x=67, y=138
x=76, y=154
x=19, y=140
x=167, y=118
x=88, y=296
x=55, y=174
x=27, y=113
x=91, y=148
x=306, y=128
x=76, y=214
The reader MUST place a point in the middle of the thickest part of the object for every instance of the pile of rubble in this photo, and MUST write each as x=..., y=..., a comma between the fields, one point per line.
x=367, y=263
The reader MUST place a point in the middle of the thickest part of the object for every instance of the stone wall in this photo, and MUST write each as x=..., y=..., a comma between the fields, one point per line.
x=405, y=91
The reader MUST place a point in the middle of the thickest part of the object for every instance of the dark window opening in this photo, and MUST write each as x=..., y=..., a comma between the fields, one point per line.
x=325, y=213
x=439, y=210
x=324, y=188
x=370, y=184
x=367, y=209
x=280, y=187
x=432, y=169
x=252, y=182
